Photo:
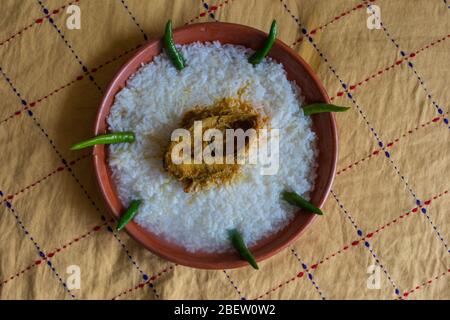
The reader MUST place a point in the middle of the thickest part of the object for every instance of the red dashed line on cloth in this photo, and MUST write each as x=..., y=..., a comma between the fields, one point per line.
x=133, y=17
x=37, y=182
x=77, y=239
x=211, y=9
x=93, y=70
x=371, y=234
x=297, y=276
x=374, y=153
x=38, y=262
x=52, y=254
x=392, y=66
x=38, y=21
x=390, y=144
x=424, y=284
x=414, y=210
x=345, y=248
x=148, y=282
x=78, y=78
x=59, y=169
x=338, y=17
x=355, y=243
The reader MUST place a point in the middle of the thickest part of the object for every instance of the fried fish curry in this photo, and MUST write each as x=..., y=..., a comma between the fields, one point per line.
x=216, y=156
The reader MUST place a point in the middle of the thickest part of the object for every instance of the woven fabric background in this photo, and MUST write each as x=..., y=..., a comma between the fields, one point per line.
x=390, y=202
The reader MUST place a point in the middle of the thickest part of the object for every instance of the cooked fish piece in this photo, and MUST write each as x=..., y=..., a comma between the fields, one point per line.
x=225, y=114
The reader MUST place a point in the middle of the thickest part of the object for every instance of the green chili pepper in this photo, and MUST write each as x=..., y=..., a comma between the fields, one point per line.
x=296, y=200
x=110, y=138
x=239, y=245
x=259, y=55
x=322, y=107
x=174, y=55
x=129, y=214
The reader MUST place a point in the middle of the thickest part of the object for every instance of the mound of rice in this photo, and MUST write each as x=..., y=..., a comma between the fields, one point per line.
x=152, y=104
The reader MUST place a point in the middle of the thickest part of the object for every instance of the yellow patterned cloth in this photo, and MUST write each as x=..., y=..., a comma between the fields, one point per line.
x=388, y=213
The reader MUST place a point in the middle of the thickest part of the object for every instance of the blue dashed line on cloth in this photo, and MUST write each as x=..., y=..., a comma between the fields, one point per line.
x=366, y=244
x=144, y=275
x=349, y=95
x=152, y=286
x=369, y=125
x=63, y=37
x=8, y=204
x=37, y=246
x=377, y=261
x=30, y=113
x=110, y=229
x=134, y=19
x=8, y=80
x=358, y=231
x=438, y=108
x=310, y=276
x=234, y=285
x=438, y=233
x=27, y=233
x=211, y=14
x=69, y=169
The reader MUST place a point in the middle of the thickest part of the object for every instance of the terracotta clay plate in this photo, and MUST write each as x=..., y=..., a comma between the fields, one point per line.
x=323, y=124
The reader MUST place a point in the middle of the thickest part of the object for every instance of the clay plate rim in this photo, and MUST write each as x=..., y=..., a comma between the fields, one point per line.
x=272, y=244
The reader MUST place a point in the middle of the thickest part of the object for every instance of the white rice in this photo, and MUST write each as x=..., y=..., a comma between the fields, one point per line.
x=152, y=104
